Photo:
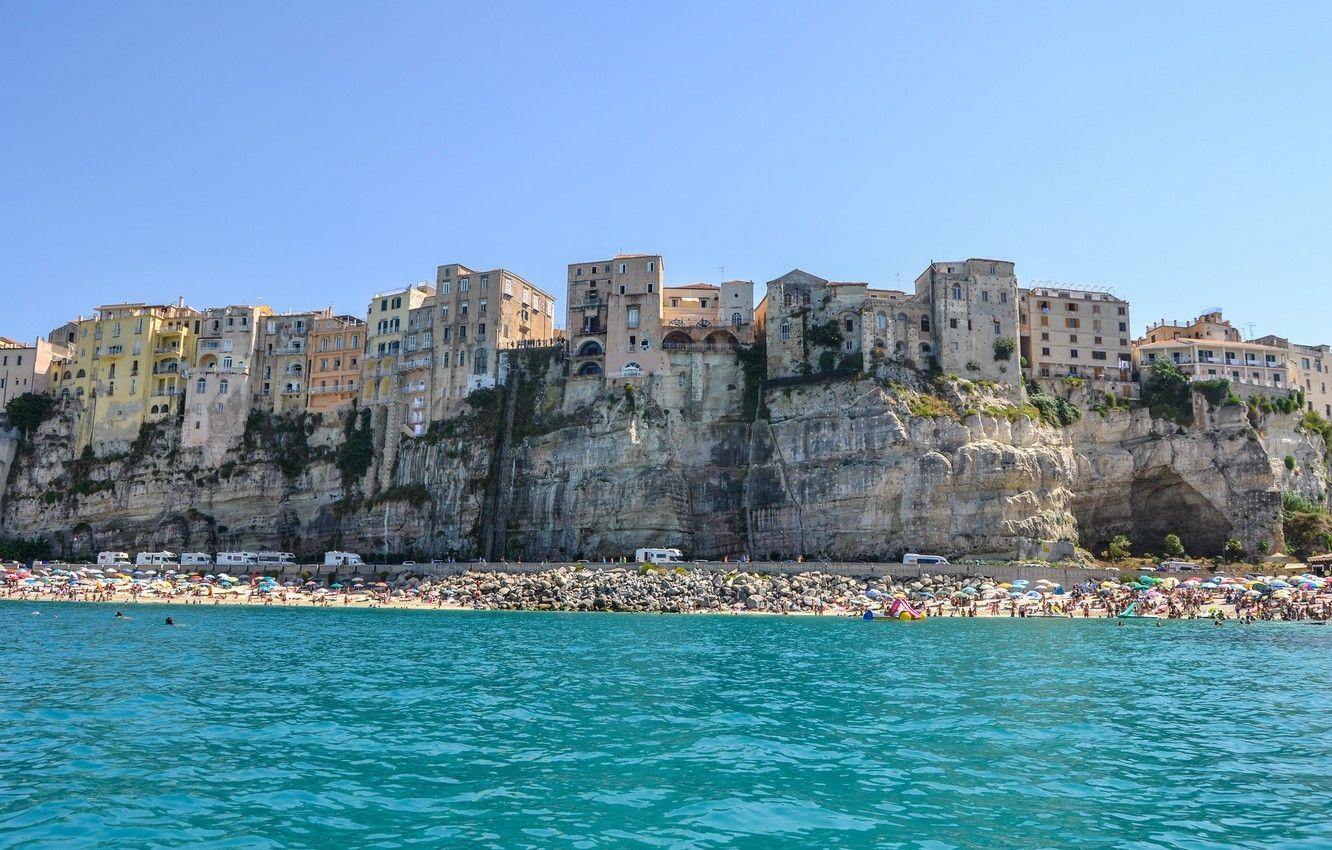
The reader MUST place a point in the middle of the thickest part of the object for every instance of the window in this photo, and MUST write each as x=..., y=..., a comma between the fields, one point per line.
x=622, y=289
x=925, y=323
x=998, y=329
x=462, y=333
x=1003, y=297
x=464, y=284
x=383, y=308
x=445, y=287
x=1073, y=338
x=880, y=322
x=631, y=320
x=444, y=312
x=849, y=324
x=652, y=267
x=650, y=287
x=223, y=386
x=785, y=331
x=1045, y=352
x=201, y=387
x=480, y=330
x=985, y=294
x=736, y=320
x=952, y=323
x=622, y=268
x=226, y=362
x=481, y=307
x=786, y=300
x=485, y=282
x=1098, y=355
x=1071, y=323
x=1073, y=354
x=957, y=292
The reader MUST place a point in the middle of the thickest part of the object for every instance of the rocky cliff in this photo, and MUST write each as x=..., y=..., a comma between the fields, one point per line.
x=558, y=467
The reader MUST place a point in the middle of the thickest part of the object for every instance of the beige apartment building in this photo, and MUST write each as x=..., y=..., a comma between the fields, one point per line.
x=336, y=347
x=1209, y=347
x=218, y=383
x=478, y=315
x=624, y=322
x=1310, y=369
x=1079, y=333
x=283, y=361
x=36, y=368
x=387, y=317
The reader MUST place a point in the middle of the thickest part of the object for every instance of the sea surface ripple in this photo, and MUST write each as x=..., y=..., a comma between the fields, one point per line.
x=290, y=728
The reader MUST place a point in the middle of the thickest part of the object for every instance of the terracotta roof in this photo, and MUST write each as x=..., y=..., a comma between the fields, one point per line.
x=694, y=286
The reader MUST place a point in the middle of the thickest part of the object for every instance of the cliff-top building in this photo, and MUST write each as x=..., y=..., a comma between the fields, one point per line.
x=128, y=368
x=336, y=347
x=387, y=318
x=1309, y=368
x=1209, y=348
x=35, y=368
x=219, y=380
x=962, y=318
x=624, y=322
x=1078, y=333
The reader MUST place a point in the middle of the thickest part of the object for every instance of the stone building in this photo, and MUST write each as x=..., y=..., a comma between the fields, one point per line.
x=218, y=382
x=336, y=347
x=624, y=322
x=1210, y=347
x=958, y=320
x=479, y=314
x=416, y=367
x=1067, y=332
x=35, y=368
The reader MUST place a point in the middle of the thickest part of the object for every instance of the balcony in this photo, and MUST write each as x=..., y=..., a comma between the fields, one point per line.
x=167, y=368
x=210, y=345
x=115, y=350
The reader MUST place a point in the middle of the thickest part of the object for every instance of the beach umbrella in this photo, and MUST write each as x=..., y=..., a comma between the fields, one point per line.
x=337, y=585
x=968, y=591
x=1022, y=582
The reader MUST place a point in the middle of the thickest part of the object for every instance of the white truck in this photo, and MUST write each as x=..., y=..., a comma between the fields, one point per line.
x=343, y=559
x=113, y=559
x=275, y=559
x=236, y=559
x=199, y=559
x=658, y=556
x=923, y=560
x=156, y=559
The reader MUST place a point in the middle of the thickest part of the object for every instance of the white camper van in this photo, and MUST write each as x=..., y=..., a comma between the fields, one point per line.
x=195, y=558
x=113, y=559
x=236, y=559
x=343, y=559
x=658, y=556
x=924, y=560
x=275, y=559
x=156, y=559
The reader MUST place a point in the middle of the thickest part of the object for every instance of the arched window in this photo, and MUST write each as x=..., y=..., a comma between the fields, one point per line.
x=67, y=375
x=153, y=409
x=226, y=362
x=589, y=368
x=925, y=348
x=736, y=319
x=222, y=387
x=880, y=322
x=590, y=348
x=786, y=299
x=632, y=368
x=78, y=391
x=479, y=362
x=64, y=393
x=82, y=374
x=201, y=386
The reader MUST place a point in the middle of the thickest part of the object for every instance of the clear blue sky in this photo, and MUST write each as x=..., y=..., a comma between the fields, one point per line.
x=311, y=153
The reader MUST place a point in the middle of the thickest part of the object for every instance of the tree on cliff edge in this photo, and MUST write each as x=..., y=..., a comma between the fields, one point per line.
x=25, y=412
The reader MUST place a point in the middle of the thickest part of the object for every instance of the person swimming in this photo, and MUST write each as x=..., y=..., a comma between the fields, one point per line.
x=120, y=615
x=170, y=622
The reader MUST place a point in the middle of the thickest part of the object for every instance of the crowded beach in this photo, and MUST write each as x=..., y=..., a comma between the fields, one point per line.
x=1294, y=597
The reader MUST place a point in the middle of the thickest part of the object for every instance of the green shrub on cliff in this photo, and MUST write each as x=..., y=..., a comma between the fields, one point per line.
x=1165, y=392
x=25, y=412
x=1173, y=547
x=357, y=451
x=1055, y=411
x=1119, y=548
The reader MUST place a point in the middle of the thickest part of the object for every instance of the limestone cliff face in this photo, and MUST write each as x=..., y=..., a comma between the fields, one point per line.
x=558, y=467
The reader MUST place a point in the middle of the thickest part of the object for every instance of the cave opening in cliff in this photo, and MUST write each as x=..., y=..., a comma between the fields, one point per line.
x=1164, y=503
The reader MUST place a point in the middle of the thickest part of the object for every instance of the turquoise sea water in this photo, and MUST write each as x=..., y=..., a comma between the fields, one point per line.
x=286, y=728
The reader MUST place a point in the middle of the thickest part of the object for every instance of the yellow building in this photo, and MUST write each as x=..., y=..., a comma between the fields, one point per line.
x=128, y=368
x=387, y=320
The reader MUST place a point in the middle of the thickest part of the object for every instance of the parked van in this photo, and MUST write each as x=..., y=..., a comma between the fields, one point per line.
x=236, y=559
x=275, y=559
x=156, y=559
x=1178, y=567
x=195, y=558
x=343, y=559
x=923, y=560
x=658, y=556
x=113, y=559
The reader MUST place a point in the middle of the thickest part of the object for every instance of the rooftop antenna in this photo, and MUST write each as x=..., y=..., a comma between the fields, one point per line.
x=1248, y=326
x=722, y=270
